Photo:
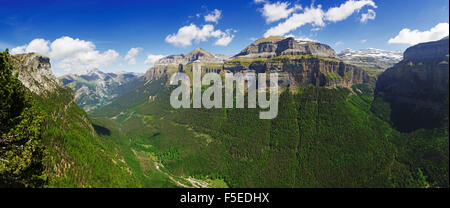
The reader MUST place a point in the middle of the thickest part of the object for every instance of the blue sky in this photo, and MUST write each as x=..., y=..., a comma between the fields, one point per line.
x=79, y=35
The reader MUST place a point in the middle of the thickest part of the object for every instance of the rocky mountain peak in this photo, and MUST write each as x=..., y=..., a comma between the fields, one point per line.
x=197, y=54
x=276, y=46
x=35, y=72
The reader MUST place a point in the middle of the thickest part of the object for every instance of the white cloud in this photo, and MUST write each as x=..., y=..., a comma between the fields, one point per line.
x=277, y=11
x=363, y=41
x=317, y=17
x=131, y=55
x=412, y=37
x=311, y=15
x=39, y=45
x=370, y=15
x=70, y=55
x=214, y=16
x=300, y=38
x=346, y=9
x=338, y=43
x=224, y=40
x=187, y=34
x=151, y=59
x=259, y=1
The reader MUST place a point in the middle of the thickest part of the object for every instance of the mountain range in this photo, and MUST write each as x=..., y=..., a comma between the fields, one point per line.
x=371, y=58
x=337, y=125
x=94, y=88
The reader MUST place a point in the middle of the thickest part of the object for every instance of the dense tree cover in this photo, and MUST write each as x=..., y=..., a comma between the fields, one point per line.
x=21, y=149
x=320, y=138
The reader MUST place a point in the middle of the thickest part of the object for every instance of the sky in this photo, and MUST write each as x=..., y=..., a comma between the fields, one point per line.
x=131, y=35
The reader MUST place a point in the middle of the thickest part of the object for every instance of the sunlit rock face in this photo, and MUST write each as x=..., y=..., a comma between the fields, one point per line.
x=35, y=73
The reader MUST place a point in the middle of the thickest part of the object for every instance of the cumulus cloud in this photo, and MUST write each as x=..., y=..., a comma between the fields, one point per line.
x=214, y=16
x=312, y=15
x=370, y=15
x=40, y=46
x=412, y=37
x=346, y=9
x=259, y=1
x=131, y=55
x=317, y=17
x=338, y=43
x=277, y=11
x=300, y=38
x=151, y=59
x=68, y=54
x=187, y=34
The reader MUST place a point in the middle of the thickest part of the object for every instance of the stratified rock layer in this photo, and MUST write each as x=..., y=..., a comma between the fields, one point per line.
x=276, y=46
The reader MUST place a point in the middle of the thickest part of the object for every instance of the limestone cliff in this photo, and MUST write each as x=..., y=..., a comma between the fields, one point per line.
x=298, y=63
x=417, y=88
x=303, y=70
x=35, y=73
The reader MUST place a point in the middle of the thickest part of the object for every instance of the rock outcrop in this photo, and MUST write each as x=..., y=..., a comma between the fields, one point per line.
x=276, y=46
x=427, y=51
x=417, y=88
x=35, y=73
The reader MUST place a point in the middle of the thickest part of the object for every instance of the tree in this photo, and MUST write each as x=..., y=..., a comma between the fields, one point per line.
x=21, y=150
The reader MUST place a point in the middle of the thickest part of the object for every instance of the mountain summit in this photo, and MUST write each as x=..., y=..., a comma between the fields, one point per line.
x=276, y=46
x=197, y=54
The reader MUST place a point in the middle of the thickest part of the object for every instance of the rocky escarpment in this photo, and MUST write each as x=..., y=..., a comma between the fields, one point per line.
x=276, y=46
x=297, y=64
x=303, y=70
x=417, y=88
x=427, y=51
x=35, y=73
x=197, y=54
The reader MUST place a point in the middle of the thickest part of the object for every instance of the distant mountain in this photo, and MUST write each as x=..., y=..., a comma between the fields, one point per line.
x=277, y=45
x=371, y=58
x=197, y=54
x=95, y=88
x=298, y=63
x=417, y=88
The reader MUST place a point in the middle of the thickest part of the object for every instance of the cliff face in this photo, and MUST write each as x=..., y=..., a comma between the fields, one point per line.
x=35, y=73
x=417, y=88
x=427, y=51
x=300, y=71
x=276, y=46
x=297, y=64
